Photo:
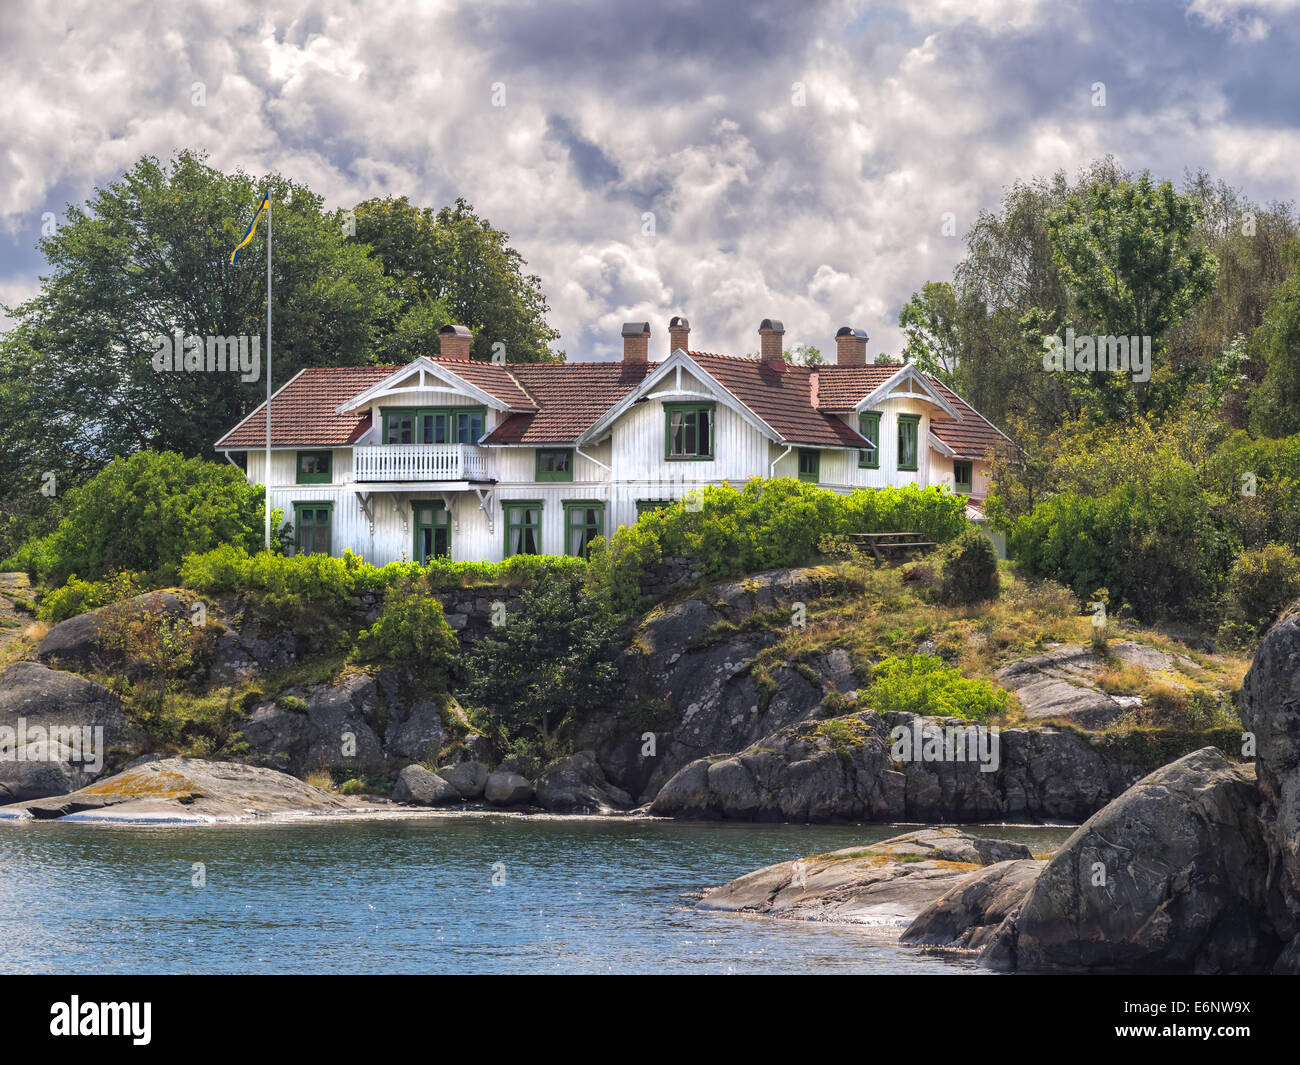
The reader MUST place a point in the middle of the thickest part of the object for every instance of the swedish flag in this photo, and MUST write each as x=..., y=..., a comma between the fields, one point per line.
x=252, y=228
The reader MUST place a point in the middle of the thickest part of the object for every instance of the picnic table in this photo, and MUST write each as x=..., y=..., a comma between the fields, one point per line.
x=882, y=543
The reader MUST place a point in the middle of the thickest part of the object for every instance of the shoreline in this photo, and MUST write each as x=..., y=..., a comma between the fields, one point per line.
x=385, y=812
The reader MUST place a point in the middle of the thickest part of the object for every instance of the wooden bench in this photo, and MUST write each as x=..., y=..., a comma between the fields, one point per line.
x=882, y=543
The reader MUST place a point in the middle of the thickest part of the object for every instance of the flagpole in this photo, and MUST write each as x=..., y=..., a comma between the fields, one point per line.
x=268, y=371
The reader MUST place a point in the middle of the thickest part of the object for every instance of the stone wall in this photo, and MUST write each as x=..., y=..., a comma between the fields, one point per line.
x=468, y=610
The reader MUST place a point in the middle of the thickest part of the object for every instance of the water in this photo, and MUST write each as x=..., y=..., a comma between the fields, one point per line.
x=416, y=896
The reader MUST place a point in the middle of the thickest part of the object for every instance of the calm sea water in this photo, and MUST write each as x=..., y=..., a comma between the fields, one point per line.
x=417, y=896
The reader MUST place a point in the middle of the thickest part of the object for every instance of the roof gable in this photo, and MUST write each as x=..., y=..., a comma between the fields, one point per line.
x=669, y=373
x=489, y=383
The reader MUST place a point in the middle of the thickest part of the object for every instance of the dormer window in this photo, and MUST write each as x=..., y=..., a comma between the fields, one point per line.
x=689, y=430
x=433, y=425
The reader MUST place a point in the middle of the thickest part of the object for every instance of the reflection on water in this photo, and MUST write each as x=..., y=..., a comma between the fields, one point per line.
x=408, y=896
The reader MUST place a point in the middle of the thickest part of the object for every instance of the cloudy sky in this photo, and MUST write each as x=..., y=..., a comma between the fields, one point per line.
x=797, y=159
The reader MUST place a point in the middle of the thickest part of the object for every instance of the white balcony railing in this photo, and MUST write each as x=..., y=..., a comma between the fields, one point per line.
x=419, y=462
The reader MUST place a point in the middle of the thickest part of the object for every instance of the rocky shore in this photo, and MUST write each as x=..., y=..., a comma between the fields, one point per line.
x=884, y=885
x=186, y=790
x=701, y=734
x=1192, y=869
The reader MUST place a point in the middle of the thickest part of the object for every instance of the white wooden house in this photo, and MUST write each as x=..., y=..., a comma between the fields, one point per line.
x=478, y=461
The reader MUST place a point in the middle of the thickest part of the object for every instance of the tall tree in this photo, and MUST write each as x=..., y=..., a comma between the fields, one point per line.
x=931, y=321
x=454, y=266
x=1130, y=254
x=1275, y=404
x=149, y=256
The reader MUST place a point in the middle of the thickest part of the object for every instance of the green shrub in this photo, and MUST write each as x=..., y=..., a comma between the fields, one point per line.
x=1161, y=550
x=35, y=557
x=969, y=569
x=922, y=684
x=284, y=586
x=768, y=524
x=1260, y=585
x=553, y=658
x=412, y=631
x=288, y=583
x=144, y=514
x=78, y=596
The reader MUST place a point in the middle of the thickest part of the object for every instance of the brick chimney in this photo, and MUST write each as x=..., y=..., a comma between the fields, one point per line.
x=636, y=341
x=453, y=342
x=850, y=347
x=679, y=335
x=771, y=337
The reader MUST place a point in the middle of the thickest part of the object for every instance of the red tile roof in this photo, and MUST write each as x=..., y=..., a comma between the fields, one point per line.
x=498, y=380
x=781, y=397
x=841, y=388
x=572, y=396
x=971, y=438
x=302, y=412
x=555, y=403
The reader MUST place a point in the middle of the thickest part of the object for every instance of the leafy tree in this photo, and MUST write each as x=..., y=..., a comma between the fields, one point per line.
x=1249, y=241
x=146, y=512
x=1260, y=585
x=931, y=320
x=412, y=630
x=1130, y=255
x=551, y=659
x=1275, y=405
x=147, y=256
x=454, y=266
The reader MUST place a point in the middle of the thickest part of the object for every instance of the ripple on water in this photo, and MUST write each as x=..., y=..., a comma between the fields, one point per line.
x=418, y=895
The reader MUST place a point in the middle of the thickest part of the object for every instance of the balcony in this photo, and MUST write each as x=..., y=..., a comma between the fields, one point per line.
x=419, y=462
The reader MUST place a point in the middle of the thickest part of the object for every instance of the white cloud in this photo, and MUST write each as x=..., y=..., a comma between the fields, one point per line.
x=822, y=215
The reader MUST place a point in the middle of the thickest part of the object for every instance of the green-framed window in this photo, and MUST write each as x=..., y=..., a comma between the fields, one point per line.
x=869, y=427
x=584, y=520
x=523, y=527
x=313, y=528
x=432, y=524
x=688, y=432
x=315, y=467
x=554, y=464
x=909, y=441
x=810, y=465
x=963, y=475
x=433, y=425
x=645, y=506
